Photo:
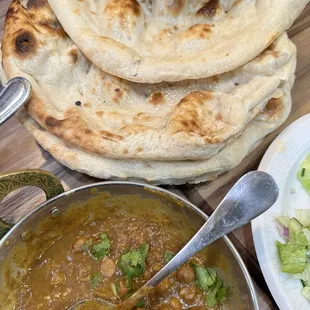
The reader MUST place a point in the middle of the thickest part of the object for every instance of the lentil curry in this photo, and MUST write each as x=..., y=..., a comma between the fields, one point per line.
x=109, y=250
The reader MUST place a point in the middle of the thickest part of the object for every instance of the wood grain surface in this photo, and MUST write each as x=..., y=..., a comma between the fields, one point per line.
x=18, y=150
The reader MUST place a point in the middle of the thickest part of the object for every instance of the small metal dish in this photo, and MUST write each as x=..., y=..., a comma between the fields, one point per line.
x=242, y=293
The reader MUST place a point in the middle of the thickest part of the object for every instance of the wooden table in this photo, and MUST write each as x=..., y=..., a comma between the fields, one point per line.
x=18, y=150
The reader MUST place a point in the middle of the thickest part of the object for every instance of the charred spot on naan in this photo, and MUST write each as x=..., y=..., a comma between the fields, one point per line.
x=134, y=129
x=214, y=79
x=271, y=50
x=36, y=4
x=126, y=15
x=191, y=118
x=186, y=117
x=77, y=11
x=11, y=12
x=121, y=7
x=209, y=8
x=272, y=39
x=236, y=3
x=25, y=41
x=174, y=7
x=52, y=26
x=157, y=98
x=74, y=55
x=52, y=122
x=164, y=34
x=198, y=31
x=191, y=125
x=142, y=117
x=112, y=86
x=110, y=136
x=118, y=95
x=196, y=97
x=85, y=135
x=25, y=44
x=274, y=108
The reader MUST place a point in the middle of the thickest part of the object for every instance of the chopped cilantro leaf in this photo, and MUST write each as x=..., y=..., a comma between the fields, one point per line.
x=211, y=299
x=221, y=294
x=132, y=263
x=102, y=248
x=210, y=282
x=95, y=279
x=205, y=276
x=168, y=256
x=141, y=303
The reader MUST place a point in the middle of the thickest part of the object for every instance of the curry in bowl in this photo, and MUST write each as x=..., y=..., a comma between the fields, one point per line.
x=108, y=246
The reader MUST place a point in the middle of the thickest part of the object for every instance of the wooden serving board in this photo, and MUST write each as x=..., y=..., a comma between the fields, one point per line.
x=18, y=150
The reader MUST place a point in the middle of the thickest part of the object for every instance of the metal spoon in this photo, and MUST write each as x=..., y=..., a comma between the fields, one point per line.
x=14, y=95
x=251, y=196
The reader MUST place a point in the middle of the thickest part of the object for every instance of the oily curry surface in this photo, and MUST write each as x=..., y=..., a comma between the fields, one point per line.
x=109, y=247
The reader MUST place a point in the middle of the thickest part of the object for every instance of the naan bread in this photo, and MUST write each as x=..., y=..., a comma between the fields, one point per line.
x=159, y=172
x=173, y=40
x=105, y=115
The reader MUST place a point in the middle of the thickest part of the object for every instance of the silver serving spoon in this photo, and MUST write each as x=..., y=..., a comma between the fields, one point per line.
x=251, y=196
x=15, y=93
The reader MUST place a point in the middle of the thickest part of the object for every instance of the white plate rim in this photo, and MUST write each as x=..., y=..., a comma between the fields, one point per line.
x=258, y=235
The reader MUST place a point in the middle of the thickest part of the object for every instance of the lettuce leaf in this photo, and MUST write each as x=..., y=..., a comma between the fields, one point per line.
x=293, y=257
x=304, y=173
x=306, y=292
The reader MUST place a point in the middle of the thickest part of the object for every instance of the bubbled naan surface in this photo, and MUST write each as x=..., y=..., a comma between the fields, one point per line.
x=165, y=172
x=173, y=40
x=104, y=115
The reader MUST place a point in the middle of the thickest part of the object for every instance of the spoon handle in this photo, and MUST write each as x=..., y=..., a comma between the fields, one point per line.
x=13, y=95
x=252, y=195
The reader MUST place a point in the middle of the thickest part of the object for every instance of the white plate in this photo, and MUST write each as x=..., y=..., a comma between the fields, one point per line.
x=282, y=160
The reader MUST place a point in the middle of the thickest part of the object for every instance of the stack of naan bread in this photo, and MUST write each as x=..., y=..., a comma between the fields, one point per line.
x=170, y=91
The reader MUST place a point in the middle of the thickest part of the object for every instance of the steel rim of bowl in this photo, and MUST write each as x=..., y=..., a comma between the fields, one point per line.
x=156, y=188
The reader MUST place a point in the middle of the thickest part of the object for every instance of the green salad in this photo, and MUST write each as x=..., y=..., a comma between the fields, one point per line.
x=295, y=252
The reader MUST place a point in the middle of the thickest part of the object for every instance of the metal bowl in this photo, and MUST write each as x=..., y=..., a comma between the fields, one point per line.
x=235, y=274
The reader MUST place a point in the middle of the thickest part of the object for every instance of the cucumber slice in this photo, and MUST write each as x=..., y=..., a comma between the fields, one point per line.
x=303, y=216
x=294, y=225
x=284, y=221
x=305, y=283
